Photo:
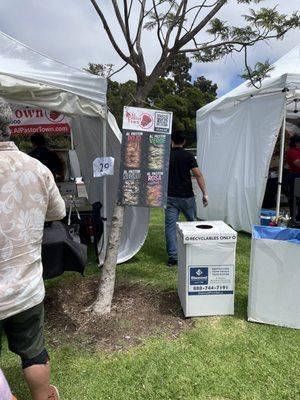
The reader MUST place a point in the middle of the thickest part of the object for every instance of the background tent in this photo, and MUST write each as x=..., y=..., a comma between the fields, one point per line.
x=28, y=78
x=236, y=136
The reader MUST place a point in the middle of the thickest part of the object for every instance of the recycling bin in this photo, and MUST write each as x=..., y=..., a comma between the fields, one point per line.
x=274, y=295
x=266, y=216
x=206, y=268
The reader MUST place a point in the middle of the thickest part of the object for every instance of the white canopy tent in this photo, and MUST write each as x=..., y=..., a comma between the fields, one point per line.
x=28, y=78
x=236, y=137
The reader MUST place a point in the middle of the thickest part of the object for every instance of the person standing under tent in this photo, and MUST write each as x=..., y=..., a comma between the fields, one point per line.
x=293, y=161
x=28, y=197
x=180, y=191
x=46, y=156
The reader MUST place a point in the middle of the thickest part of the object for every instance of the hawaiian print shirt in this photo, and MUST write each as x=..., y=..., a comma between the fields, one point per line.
x=28, y=197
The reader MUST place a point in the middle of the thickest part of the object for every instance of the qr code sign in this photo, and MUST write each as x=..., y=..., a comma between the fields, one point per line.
x=162, y=121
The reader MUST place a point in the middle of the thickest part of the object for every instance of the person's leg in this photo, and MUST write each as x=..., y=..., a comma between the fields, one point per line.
x=188, y=207
x=171, y=217
x=25, y=337
x=38, y=381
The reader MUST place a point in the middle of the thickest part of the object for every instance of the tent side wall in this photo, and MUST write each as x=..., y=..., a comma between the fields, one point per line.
x=235, y=146
x=87, y=133
x=32, y=79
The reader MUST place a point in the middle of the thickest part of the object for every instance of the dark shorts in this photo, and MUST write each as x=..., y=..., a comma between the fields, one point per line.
x=25, y=332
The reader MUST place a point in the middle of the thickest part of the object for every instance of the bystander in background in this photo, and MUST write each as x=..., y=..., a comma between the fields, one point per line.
x=180, y=191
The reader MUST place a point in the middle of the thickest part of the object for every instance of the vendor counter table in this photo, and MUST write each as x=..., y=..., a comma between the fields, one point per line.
x=81, y=203
x=60, y=252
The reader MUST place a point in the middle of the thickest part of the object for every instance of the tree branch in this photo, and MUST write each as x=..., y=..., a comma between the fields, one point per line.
x=117, y=71
x=158, y=31
x=173, y=24
x=187, y=37
x=197, y=14
x=181, y=21
x=203, y=5
x=110, y=35
x=119, y=16
x=123, y=26
x=138, y=37
x=248, y=69
x=233, y=42
x=130, y=8
x=126, y=19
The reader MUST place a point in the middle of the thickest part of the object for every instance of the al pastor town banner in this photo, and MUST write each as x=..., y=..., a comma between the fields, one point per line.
x=27, y=121
x=145, y=157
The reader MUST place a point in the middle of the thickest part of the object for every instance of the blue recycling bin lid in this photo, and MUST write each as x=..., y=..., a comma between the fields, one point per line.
x=267, y=213
x=276, y=233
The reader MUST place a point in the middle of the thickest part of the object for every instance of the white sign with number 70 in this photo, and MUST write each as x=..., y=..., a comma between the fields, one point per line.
x=103, y=166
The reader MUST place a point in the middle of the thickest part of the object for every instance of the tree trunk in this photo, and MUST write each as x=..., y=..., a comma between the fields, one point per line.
x=102, y=305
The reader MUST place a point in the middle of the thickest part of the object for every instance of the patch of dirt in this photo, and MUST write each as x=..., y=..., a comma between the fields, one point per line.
x=138, y=312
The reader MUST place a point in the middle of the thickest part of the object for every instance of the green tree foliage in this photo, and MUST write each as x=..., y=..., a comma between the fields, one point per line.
x=118, y=96
x=206, y=86
x=103, y=70
x=179, y=70
x=57, y=142
x=182, y=27
x=175, y=92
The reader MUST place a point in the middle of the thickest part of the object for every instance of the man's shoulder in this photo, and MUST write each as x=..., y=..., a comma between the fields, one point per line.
x=180, y=151
x=188, y=155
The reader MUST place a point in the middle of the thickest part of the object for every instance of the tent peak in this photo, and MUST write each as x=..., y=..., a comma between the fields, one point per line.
x=45, y=56
x=285, y=74
x=20, y=65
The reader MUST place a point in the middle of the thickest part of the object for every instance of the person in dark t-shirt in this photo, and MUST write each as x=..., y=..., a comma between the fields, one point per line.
x=180, y=192
x=293, y=161
x=49, y=158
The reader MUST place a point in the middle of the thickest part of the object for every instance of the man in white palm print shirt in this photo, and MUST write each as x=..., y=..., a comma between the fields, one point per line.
x=28, y=197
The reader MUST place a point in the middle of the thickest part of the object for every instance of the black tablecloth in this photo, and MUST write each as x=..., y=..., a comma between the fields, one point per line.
x=60, y=252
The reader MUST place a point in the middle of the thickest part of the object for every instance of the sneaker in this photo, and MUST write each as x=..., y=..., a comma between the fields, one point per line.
x=171, y=263
x=53, y=393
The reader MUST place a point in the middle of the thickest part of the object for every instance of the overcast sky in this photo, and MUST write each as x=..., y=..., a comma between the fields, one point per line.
x=70, y=31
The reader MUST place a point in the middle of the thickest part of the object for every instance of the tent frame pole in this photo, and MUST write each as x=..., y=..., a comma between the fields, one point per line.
x=281, y=160
x=104, y=185
x=72, y=140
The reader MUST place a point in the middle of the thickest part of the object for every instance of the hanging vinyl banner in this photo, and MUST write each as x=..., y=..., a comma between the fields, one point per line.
x=26, y=121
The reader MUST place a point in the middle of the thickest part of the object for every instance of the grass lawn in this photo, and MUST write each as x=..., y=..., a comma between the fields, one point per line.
x=221, y=358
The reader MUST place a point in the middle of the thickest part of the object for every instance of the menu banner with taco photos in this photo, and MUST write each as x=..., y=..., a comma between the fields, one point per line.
x=145, y=157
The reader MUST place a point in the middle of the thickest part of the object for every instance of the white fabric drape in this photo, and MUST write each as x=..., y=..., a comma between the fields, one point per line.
x=236, y=137
x=235, y=146
x=87, y=133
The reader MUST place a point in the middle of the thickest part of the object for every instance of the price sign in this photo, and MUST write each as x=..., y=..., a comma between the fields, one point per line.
x=103, y=166
x=145, y=157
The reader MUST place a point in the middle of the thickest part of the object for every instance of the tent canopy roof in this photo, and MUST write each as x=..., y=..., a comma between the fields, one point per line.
x=286, y=74
x=36, y=79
